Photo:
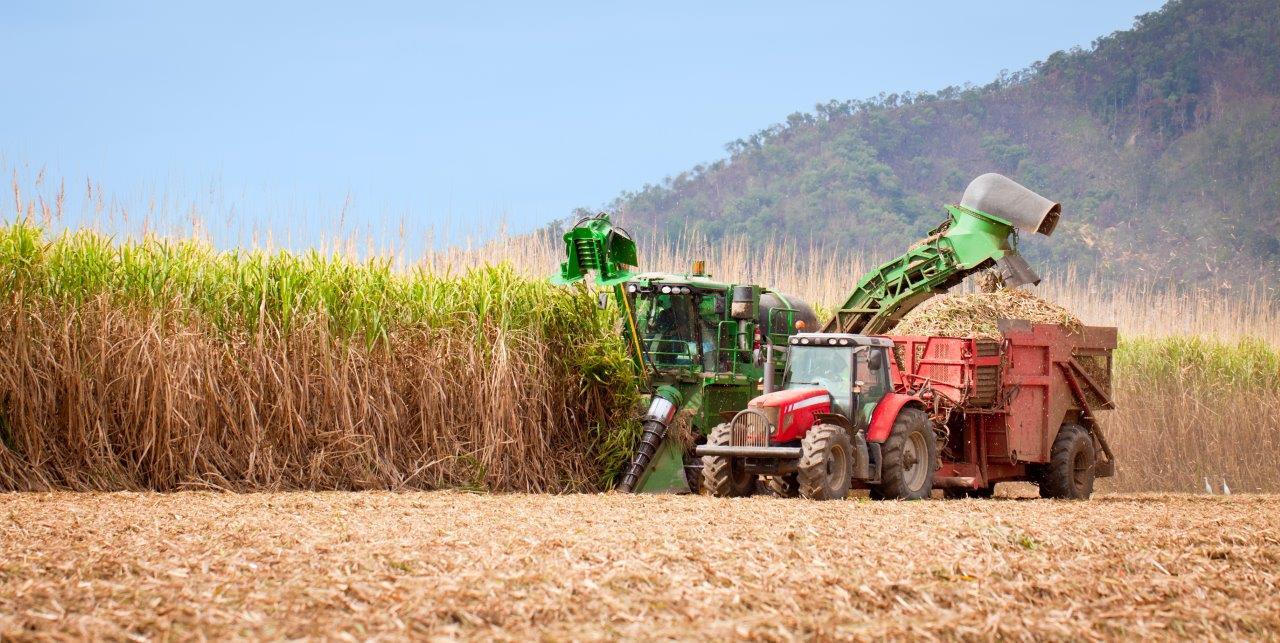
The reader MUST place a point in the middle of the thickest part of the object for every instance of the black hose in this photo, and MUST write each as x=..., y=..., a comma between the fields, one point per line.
x=650, y=440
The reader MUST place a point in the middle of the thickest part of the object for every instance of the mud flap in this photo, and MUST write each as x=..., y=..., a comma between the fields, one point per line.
x=665, y=473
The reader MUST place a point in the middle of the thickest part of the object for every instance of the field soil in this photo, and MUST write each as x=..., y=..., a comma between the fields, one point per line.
x=191, y=565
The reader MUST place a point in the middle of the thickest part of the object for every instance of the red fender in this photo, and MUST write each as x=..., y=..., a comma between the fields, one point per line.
x=886, y=414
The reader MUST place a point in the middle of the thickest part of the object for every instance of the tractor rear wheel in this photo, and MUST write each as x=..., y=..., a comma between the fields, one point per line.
x=1070, y=472
x=722, y=476
x=825, y=469
x=910, y=456
x=783, y=486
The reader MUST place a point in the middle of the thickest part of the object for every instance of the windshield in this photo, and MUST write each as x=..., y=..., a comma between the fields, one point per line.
x=829, y=367
x=669, y=329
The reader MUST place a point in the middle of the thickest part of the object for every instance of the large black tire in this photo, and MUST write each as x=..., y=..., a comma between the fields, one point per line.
x=910, y=457
x=826, y=468
x=1070, y=472
x=784, y=486
x=693, y=472
x=724, y=477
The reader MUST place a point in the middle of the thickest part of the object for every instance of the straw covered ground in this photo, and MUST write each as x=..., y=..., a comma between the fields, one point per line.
x=197, y=564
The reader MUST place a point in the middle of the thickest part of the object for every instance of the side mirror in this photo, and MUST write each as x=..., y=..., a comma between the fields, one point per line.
x=876, y=360
x=602, y=300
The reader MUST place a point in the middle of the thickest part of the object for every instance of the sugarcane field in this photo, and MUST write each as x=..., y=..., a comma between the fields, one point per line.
x=994, y=361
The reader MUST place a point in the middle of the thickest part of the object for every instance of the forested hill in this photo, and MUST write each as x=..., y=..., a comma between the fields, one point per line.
x=1162, y=142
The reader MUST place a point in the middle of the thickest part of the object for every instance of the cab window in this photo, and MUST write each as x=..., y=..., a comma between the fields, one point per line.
x=824, y=367
x=872, y=369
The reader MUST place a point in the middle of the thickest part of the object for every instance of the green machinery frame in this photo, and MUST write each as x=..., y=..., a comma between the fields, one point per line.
x=965, y=243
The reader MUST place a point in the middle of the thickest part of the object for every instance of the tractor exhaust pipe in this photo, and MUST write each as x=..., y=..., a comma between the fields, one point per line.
x=656, y=420
x=1003, y=197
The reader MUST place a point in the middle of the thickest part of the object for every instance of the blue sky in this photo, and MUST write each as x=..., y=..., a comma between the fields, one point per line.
x=460, y=115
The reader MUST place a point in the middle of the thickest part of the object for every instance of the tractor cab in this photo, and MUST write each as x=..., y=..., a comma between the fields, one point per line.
x=851, y=369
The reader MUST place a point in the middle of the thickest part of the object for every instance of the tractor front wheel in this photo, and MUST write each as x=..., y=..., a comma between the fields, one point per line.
x=722, y=476
x=910, y=455
x=1069, y=474
x=825, y=469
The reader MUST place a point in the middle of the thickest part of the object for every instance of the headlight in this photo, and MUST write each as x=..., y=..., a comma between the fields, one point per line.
x=844, y=342
x=804, y=341
x=632, y=288
x=666, y=290
x=831, y=342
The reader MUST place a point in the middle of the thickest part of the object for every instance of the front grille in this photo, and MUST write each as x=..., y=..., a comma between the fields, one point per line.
x=750, y=429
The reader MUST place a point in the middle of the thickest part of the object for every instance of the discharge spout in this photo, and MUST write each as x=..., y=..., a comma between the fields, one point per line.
x=1005, y=198
x=979, y=234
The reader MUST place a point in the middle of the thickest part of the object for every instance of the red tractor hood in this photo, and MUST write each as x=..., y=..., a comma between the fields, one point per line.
x=783, y=398
x=796, y=410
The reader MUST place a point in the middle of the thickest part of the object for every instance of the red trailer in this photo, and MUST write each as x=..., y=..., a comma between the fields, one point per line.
x=1002, y=403
x=903, y=415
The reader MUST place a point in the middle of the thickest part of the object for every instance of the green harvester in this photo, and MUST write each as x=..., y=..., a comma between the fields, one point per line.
x=700, y=345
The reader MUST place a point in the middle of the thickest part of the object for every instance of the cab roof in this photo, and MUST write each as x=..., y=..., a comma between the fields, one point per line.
x=839, y=339
x=696, y=281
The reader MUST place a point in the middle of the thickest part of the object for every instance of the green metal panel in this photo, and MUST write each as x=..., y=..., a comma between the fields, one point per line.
x=968, y=241
x=719, y=398
x=666, y=471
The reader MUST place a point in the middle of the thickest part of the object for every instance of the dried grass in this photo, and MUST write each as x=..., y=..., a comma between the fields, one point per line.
x=517, y=567
x=163, y=366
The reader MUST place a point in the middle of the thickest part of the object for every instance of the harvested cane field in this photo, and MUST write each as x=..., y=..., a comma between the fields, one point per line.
x=341, y=565
x=153, y=365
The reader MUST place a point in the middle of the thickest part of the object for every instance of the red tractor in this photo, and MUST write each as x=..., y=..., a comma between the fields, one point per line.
x=902, y=416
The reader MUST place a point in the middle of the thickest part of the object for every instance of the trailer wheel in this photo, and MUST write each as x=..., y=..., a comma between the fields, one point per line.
x=724, y=477
x=825, y=471
x=910, y=455
x=1070, y=472
x=784, y=486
